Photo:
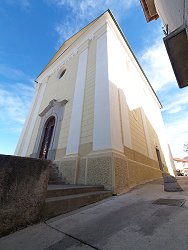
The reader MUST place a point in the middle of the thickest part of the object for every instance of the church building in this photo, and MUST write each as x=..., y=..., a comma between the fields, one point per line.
x=95, y=114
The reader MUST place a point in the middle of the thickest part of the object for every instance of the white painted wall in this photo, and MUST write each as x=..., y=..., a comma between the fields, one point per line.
x=121, y=77
x=125, y=73
x=171, y=12
x=77, y=109
x=101, y=131
x=114, y=69
x=126, y=130
x=33, y=119
x=146, y=131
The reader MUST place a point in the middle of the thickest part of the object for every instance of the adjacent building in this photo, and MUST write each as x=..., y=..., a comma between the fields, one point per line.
x=95, y=113
x=174, y=15
x=181, y=166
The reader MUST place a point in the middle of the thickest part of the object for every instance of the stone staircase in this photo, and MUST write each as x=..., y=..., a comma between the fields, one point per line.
x=62, y=198
x=56, y=176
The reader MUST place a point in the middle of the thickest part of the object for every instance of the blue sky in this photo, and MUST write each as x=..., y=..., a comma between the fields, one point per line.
x=33, y=30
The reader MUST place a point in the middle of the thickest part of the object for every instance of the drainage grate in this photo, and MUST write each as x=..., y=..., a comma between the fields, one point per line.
x=170, y=202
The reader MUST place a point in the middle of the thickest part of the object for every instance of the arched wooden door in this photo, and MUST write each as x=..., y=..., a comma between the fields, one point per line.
x=47, y=137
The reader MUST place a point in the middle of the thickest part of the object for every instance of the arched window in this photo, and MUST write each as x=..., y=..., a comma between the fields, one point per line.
x=47, y=137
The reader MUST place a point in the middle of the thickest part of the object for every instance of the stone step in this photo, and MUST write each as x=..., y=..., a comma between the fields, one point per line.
x=54, y=173
x=56, y=176
x=56, y=182
x=64, y=190
x=59, y=205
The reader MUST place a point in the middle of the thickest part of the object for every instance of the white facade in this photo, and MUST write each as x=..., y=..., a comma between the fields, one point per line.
x=108, y=123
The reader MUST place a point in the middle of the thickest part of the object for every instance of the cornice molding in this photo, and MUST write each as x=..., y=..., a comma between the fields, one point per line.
x=52, y=104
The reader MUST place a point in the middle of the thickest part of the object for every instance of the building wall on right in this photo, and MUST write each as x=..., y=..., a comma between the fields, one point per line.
x=174, y=15
x=171, y=12
x=142, y=125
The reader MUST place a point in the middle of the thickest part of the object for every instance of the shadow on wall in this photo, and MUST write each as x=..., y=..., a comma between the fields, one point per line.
x=141, y=160
x=144, y=156
x=143, y=136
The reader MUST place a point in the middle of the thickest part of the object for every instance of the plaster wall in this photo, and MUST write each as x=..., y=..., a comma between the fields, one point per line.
x=78, y=100
x=137, y=132
x=124, y=77
x=29, y=125
x=172, y=12
x=101, y=130
x=143, y=106
x=59, y=89
x=88, y=108
x=63, y=88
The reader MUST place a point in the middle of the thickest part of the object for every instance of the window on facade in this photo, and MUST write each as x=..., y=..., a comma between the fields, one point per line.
x=62, y=74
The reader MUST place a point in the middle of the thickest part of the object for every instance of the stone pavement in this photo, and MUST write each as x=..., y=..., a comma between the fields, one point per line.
x=129, y=221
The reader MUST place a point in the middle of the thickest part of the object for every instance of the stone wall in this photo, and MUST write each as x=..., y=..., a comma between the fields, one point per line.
x=118, y=172
x=68, y=166
x=23, y=187
x=130, y=173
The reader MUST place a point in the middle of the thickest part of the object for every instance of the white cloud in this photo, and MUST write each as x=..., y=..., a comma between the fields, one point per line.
x=175, y=114
x=66, y=29
x=85, y=11
x=14, y=103
x=177, y=102
x=16, y=92
x=11, y=73
x=178, y=135
x=156, y=64
x=23, y=3
x=174, y=110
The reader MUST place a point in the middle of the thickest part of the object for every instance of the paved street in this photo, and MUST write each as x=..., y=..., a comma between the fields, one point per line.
x=129, y=221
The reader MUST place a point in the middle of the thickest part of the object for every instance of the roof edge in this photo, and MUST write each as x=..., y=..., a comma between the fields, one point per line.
x=147, y=13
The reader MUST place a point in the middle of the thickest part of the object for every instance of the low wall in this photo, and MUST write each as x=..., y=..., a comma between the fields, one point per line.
x=23, y=187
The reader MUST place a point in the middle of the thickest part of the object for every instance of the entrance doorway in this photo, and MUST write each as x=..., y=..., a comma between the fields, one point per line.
x=47, y=137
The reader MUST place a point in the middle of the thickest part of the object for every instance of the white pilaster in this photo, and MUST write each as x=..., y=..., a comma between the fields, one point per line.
x=115, y=117
x=77, y=108
x=148, y=142
x=33, y=119
x=101, y=131
x=126, y=130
